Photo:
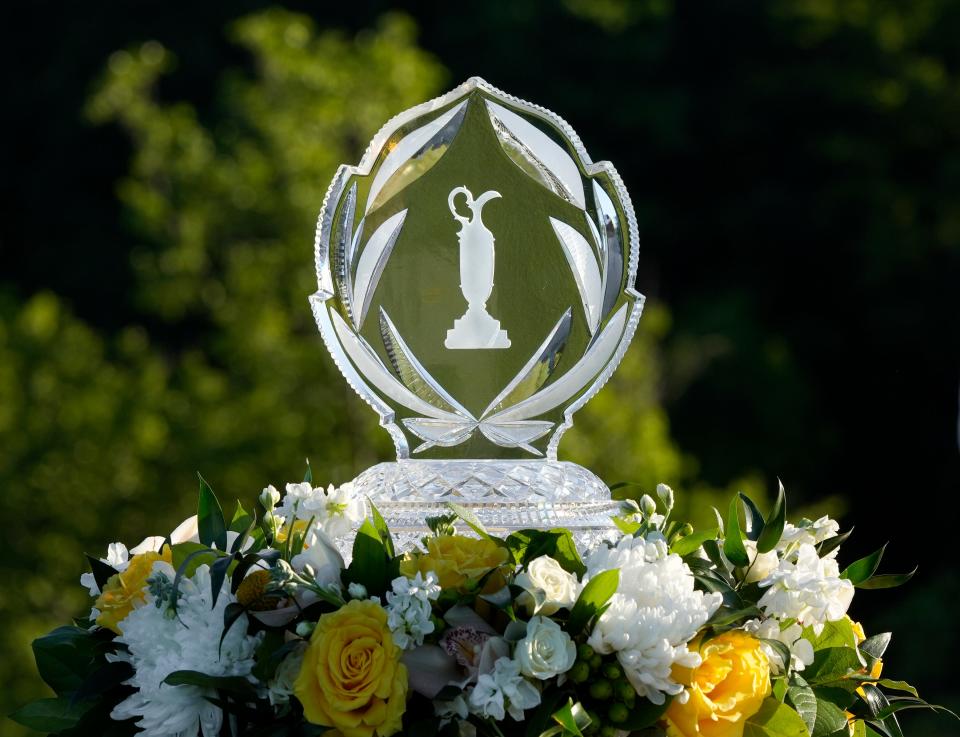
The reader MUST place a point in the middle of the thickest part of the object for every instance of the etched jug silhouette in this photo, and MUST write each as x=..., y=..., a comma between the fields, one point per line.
x=477, y=328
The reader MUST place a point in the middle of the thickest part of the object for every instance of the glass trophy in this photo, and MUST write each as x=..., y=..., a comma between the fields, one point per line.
x=476, y=275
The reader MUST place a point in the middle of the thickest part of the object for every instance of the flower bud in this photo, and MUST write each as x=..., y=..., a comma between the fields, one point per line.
x=357, y=590
x=269, y=498
x=666, y=495
x=687, y=529
x=648, y=507
x=305, y=629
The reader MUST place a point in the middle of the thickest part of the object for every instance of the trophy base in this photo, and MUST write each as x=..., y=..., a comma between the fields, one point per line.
x=476, y=330
x=504, y=495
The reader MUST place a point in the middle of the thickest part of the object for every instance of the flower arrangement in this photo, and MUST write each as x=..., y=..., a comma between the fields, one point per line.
x=258, y=627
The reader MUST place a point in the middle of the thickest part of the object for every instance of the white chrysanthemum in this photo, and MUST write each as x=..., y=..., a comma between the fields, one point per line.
x=159, y=644
x=337, y=511
x=503, y=691
x=807, y=588
x=409, y=609
x=654, y=614
x=801, y=651
x=809, y=533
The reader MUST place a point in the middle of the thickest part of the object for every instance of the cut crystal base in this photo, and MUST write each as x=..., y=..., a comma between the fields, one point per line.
x=504, y=495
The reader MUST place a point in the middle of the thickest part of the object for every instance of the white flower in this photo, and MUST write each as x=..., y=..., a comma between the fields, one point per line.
x=269, y=498
x=549, y=587
x=808, y=533
x=761, y=565
x=546, y=650
x=336, y=511
x=502, y=692
x=322, y=556
x=280, y=687
x=409, y=610
x=118, y=558
x=158, y=645
x=801, y=651
x=654, y=614
x=808, y=589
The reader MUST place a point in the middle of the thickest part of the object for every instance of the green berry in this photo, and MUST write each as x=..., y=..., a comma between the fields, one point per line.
x=580, y=672
x=624, y=691
x=594, y=721
x=607, y=731
x=601, y=690
x=584, y=652
x=595, y=662
x=618, y=713
x=612, y=671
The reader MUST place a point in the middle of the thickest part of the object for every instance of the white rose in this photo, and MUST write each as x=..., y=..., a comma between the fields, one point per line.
x=546, y=651
x=761, y=565
x=545, y=578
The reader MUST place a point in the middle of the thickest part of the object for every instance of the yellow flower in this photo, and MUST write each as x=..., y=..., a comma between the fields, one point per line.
x=457, y=559
x=877, y=668
x=125, y=591
x=254, y=595
x=725, y=690
x=352, y=678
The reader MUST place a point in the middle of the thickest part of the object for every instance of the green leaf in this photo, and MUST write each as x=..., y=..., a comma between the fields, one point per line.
x=733, y=542
x=780, y=649
x=898, y=686
x=863, y=569
x=51, y=715
x=102, y=572
x=830, y=718
x=886, y=580
x=832, y=543
x=183, y=551
x=380, y=524
x=308, y=474
x=213, y=530
x=644, y=714
x=231, y=684
x=241, y=519
x=592, y=599
x=773, y=528
x=627, y=527
x=775, y=720
x=832, y=664
x=838, y=633
x=527, y=545
x=753, y=519
x=725, y=616
x=802, y=699
x=369, y=566
x=65, y=658
x=218, y=574
x=572, y=717
x=691, y=543
x=876, y=645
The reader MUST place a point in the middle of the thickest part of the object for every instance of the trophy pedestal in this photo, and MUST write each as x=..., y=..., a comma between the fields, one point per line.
x=504, y=495
x=476, y=329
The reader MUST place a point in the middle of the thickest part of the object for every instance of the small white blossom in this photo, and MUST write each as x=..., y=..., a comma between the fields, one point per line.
x=654, y=614
x=808, y=589
x=357, y=590
x=280, y=687
x=546, y=650
x=761, y=565
x=269, y=498
x=548, y=586
x=158, y=645
x=503, y=691
x=811, y=533
x=801, y=651
x=337, y=511
x=409, y=608
x=118, y=558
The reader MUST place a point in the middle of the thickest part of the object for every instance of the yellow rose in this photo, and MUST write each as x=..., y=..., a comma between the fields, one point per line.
x=352, y=678
x=726, y=689
x=125, y=591
x=457, y=559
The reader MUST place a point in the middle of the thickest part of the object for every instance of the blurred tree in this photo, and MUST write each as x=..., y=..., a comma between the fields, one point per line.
x=102, y=435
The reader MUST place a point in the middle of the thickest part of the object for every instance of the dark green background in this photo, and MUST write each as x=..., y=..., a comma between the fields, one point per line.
x=795, y=168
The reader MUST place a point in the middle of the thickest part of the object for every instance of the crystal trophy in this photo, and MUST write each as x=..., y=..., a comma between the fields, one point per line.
x=476, y=275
